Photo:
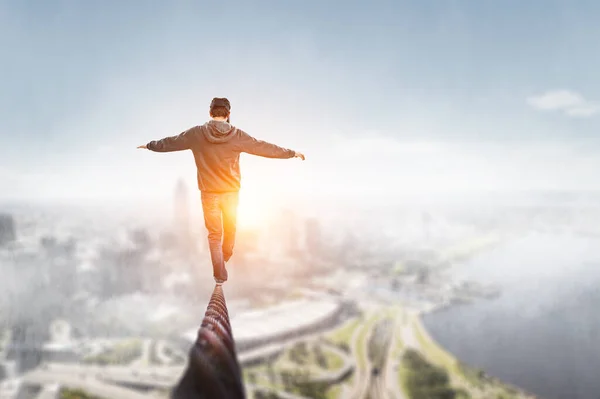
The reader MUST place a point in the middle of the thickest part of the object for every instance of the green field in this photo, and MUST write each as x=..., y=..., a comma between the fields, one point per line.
x=295, y=368
x=432, y=350
x=344, y=333
x=66, y=393
x=121, y=353
x=315, y=357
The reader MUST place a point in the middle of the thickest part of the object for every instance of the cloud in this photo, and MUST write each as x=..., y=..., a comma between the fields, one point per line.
x=380, y=164
x=584, y=110
x=375, y=143
x=570, y=102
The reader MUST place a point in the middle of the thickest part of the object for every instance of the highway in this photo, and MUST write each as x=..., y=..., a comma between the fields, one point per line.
x=96, y=379
x=383, y=384
x=392, y=369
x=85, y=382
x=361, y=375
x=328, y=375
x=380, y=354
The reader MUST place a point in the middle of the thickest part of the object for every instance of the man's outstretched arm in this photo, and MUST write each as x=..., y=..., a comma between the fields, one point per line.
x=180, y=142
x=261, y=148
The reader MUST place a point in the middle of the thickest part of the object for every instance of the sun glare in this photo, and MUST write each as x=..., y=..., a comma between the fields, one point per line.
x=253, y=209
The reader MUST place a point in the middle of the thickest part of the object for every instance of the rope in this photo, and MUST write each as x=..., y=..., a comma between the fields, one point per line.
x=213, y=371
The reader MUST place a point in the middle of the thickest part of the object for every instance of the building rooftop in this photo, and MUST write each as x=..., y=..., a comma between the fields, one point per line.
x=279, y=319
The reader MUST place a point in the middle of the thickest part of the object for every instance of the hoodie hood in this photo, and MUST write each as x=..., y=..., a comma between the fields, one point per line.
x=219, y=131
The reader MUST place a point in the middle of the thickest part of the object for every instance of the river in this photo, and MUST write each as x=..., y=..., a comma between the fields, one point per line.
x=543, y=333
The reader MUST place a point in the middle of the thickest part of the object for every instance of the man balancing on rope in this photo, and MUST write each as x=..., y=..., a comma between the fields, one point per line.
x=216, y=146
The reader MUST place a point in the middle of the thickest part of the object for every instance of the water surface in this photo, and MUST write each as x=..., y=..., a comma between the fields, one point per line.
x=543, y=333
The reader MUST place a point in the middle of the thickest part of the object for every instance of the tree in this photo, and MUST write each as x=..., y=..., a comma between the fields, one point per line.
x=271, y=372
x=424, y=380
x=320, y=357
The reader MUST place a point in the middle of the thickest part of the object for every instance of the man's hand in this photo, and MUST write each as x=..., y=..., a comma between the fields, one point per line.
x=144, y=147
x=299, y=155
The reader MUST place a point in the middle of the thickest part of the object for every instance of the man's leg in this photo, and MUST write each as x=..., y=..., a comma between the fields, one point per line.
x=229, y=206
x=213, y=223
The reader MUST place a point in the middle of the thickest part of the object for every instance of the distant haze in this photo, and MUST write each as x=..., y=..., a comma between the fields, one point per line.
x=383, y=97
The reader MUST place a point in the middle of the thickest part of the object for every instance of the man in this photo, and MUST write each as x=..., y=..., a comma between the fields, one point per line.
x=216, y=146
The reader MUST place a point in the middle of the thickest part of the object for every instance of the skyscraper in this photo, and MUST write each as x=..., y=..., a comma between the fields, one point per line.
x=427, y=220
x=7, y=229
x=313, y=238
x=182, y=208
x=182, y=218
x=288, y=231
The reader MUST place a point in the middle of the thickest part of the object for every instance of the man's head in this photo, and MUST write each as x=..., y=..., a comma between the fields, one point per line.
x=220, y=108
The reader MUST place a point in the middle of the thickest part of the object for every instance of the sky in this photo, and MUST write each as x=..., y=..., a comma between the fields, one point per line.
x=383, y=97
